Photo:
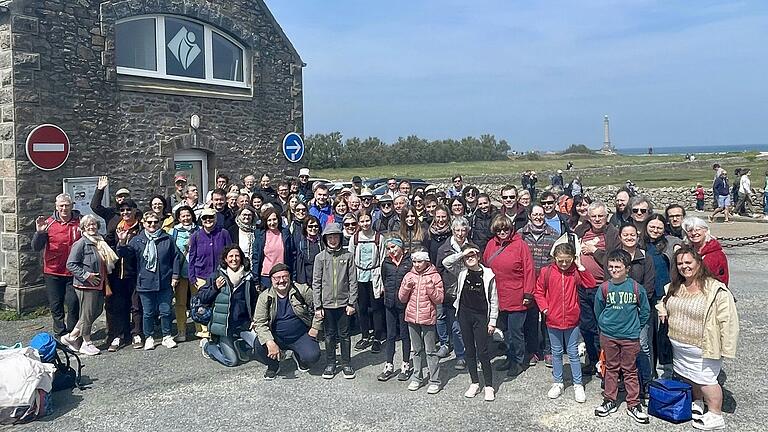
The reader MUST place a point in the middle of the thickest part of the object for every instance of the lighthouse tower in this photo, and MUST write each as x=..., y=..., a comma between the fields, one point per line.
x=607, y=146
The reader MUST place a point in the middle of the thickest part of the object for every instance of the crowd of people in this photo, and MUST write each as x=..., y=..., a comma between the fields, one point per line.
x=530, y=274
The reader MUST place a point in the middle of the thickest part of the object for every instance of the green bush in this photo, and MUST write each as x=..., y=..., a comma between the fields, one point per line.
x=578, y=148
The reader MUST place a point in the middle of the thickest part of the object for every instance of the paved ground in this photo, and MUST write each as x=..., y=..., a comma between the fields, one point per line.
x=170, y=390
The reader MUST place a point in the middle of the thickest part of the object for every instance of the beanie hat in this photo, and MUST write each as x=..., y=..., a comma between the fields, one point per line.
x=278, y=268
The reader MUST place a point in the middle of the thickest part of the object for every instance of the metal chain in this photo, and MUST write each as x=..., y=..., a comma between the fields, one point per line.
x=755, y=237
x=749, y=243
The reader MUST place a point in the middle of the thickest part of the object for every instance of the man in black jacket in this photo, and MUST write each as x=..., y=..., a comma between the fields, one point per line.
x=111, y=215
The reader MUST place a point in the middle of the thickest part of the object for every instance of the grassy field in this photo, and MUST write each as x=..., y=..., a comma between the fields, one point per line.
x=643, y=169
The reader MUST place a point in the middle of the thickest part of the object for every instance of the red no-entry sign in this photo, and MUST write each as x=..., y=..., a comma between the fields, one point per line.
x=47, y=147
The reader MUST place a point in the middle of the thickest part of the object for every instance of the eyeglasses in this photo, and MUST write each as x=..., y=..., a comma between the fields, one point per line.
x=640, y=210
x=151, y=222
x=392, y=184
x=350, y=224
x=457, y=181
x=509, y=197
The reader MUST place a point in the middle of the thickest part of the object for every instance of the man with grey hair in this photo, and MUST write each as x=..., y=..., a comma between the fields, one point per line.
x=54, y=236
x=641, y=209
x=449, y=265
x=598, y=238
x=192, y=199
x=250, y=185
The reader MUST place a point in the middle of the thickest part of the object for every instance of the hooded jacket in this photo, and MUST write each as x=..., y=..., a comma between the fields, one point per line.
x=334, y=276
x=491, y=296
x=721, y=323
x=556, y=292
x=56, y=243
x=513, y=267
x=421, y=293
x=714, y=258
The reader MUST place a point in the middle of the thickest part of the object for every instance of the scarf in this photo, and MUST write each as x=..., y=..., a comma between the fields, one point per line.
x=243, y=226
x=434, y=230
x=150, y=250
x=123, y=226
x=107, y=255
x=534, y=230
x=236, y=276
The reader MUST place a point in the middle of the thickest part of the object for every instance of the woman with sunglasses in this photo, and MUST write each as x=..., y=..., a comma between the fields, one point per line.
x=349, y=229
x=159, y=205
x=307, y=245
x=158, y=273
x=276, y=243
x=511, y=261
x=643, y=272
x=296, y=218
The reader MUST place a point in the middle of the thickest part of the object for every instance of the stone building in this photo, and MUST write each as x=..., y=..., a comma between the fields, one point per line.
x=123, y=78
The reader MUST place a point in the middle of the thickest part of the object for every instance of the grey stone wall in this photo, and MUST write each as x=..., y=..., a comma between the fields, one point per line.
x=57, y=64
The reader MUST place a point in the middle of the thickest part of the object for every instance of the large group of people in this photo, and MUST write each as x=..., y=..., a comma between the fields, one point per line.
x=529, y=276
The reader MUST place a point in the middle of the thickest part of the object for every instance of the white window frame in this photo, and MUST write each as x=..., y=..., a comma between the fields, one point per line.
x=208, y=31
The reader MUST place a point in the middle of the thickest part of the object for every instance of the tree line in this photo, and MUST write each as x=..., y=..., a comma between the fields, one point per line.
x=333, y=151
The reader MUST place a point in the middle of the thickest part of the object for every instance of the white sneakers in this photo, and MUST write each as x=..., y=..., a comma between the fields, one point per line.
x=473, y=390
x=580, y=396
x=709, y=421
x=149, y=343
x=555, y=391
x=168, y=342
x=433, y=389
x=414, y=385
x=72, y=343
x=490, y=395
x=88, y=348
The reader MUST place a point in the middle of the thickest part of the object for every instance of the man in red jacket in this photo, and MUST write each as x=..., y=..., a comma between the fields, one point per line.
x=509, y=257
x=54, y=236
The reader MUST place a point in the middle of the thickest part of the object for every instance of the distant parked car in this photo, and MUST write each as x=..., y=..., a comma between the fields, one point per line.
x=376, y=182
x=415, y=184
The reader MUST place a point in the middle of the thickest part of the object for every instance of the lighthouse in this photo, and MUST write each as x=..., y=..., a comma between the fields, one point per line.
x=607, y=146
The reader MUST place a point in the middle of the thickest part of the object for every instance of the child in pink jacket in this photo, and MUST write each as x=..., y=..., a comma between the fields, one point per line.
x=421, y=291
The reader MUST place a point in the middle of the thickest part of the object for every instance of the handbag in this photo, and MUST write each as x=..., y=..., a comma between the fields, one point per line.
x=663, y=344
x=200, y=312
x=670, y=400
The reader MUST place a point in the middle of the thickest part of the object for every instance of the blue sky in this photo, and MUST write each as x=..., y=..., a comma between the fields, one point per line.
x=539, y=74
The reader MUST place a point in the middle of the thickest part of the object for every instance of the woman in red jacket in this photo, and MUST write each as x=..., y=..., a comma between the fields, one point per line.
x=511, y=261
x=558, y=299
x=697, y=233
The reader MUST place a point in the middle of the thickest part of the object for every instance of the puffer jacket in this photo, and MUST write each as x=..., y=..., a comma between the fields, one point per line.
x=232, y=305
x=556, y=292
x=421, y=293
x=715, y=260
x=513, y=267
x=392, y=276
x=721, y=323
x=57, y=242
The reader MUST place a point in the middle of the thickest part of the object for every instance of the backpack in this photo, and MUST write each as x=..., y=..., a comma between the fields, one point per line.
x=375, y=241
x=45, y=344
x=66, y=377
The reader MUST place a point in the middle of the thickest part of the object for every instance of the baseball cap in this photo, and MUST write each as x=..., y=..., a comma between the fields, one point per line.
x=180, y=177
x=122, y=191
x=559, y=171
x=304, y=172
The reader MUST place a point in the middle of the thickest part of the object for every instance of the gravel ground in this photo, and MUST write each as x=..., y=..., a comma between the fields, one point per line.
x=170, y=390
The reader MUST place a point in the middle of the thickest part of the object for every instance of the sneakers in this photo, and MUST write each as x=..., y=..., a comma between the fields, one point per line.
x=555, y=391
x=88, y=348
x=149, y=343
x=636, y=412
x=348, y=371
x=300, y=366
x=460, y=365
x=579, y=394
x=709, y=421
x=490, y=394
x=414, y=385
x=330, y=371
x=472, y=391
x=363, y=344
x=72, y=343
x=270, y=374
x=443, y=352
x=387, y=373
x=533, y=360
x=115, y=345
x=137, y=343
x=375, y=346
x=406, y=370
x=168, y=342
x=697, y=409
x=204, y=347
x=548, y=360
x=607, y=408
x=433, y=389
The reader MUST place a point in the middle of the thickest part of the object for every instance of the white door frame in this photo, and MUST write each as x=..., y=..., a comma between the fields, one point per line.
x=191, y=155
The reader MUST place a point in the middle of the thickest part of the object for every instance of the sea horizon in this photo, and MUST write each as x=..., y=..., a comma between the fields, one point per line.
x=693, y=149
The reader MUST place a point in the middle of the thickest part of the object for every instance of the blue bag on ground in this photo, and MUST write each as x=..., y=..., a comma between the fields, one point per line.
x=45, y=344
x=670, y=400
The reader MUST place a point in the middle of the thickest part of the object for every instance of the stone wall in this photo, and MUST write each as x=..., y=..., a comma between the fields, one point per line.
x=57, y=64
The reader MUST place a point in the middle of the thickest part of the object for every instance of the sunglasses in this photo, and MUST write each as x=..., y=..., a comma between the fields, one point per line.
x=125, y=210
x=151, y=222
x=205, y=218
x=386, y=204
x=300, y=209
x=504, y=229
x=640, y=210
x=509, y=197
x=366, y=198
x=547, y=203
x=350, y=224
x=313, y=226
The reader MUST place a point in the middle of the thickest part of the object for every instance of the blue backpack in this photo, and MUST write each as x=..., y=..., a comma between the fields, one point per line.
x=45, y=344
x=670, y=400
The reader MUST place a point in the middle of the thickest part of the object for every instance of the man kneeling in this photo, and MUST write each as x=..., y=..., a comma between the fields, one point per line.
x=284, y=320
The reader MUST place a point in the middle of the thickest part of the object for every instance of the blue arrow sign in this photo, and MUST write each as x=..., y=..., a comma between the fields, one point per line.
x=293, y=147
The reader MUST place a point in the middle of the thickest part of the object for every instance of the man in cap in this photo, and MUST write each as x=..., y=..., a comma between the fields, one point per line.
x=110, y=215
x=385, y=216
x=284, y=319
x=305, y=190
x=357, y=184
x=179, y=181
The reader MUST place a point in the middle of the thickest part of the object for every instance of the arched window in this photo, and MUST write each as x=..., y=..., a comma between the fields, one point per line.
x=177, y=48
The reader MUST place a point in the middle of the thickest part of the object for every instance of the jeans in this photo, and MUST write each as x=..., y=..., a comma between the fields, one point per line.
x=446, y=318
x=588, y=323
x=621, y=356
x=645, y=356
x=396, y=325
x=224, y=351
x=423, y=340
x=118, y=308
x=60, y=294
x=474, y=330
x=765, y=203
x=306, y=349
x=535, y=330
x=370, y=311
x=336, y=327
x=514, y=336
x=568, y=339
x=154, y=302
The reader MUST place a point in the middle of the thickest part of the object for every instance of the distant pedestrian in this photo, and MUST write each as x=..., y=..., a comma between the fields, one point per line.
x=722, y=192
x=699, y=195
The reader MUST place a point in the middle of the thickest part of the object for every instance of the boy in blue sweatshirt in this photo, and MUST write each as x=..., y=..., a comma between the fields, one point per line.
x=621, y=308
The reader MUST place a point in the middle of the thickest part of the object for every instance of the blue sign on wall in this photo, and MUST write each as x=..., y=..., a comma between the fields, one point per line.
x=293, y=147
